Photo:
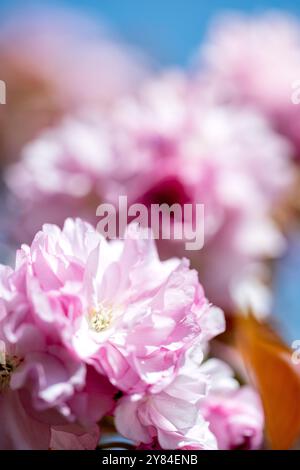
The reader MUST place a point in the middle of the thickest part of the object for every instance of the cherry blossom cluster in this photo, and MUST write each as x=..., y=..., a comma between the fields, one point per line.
x=168, y=143
x=90, y=328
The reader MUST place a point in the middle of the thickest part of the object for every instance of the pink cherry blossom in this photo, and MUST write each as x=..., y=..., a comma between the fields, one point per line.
x=55, y=61
x=65, y=172
x=172, y=423
x=78, y=311
x=190, y=149
x=234, y=414
x=135, y=333
x=168, y=144
x=201, y=409
x=240, y=70
x=169, y=419
x=37, y=394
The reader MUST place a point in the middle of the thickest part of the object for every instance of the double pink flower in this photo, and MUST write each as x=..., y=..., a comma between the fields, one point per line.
x=83, y=322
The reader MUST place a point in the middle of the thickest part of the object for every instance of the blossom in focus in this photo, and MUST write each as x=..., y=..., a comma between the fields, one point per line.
x=202, y=409
x=135, y=334
x=169, y=419
x=240, y=70
x=164, y=422
x=79, y=316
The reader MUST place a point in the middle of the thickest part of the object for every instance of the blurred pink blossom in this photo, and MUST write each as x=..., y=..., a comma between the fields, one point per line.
x=234, y=413
x=167, y=144
x=65, y=172
x=56, y=61
x=188, y=148
x=256, y=61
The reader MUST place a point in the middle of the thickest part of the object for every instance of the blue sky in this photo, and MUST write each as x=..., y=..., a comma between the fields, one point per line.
x=168, y=29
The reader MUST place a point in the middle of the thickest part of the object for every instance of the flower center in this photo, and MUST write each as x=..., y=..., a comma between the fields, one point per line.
x=7, y=366
x=100, y=317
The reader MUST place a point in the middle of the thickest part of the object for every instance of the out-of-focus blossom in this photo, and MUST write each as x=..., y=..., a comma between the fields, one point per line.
x=256, y=61
x=217, y=155
x=43, y=389
x=252, y=293
x=215, y=152
x=236, y=419
x=77, y=310
x=169, y=145
x=73, y=437
x=53, y=62
x=234, y=413
x=66, y=172
x=212, y=154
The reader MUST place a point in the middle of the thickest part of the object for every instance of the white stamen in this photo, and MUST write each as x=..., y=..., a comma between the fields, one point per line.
x=100, y=317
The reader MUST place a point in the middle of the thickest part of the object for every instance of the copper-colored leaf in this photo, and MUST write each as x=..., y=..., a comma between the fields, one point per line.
x=270, y=366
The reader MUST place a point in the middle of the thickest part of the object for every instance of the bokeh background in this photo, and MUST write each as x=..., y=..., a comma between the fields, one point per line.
x=169, y=32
